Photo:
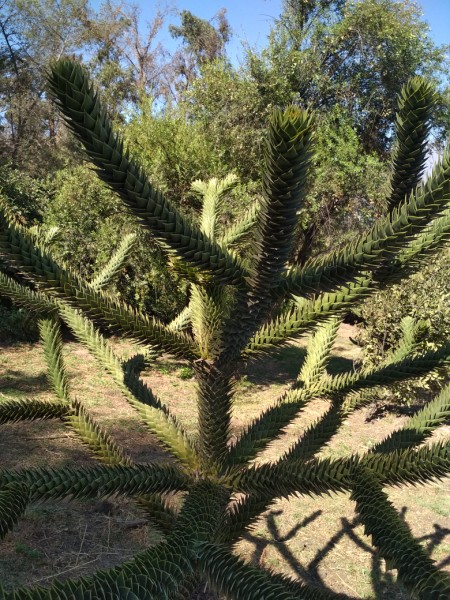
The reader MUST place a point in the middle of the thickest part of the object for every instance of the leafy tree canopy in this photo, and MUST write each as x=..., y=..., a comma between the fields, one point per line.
x=356, y=54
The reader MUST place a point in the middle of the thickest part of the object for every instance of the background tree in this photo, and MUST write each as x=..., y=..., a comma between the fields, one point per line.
x=346, y=191
x=128, y=63
x=347, y=60
x=33, y=35
x=124, y=57
x=202, y=44
x=356, y=55
x=226, y=103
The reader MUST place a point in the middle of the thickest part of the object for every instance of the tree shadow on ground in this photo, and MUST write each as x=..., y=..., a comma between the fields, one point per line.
x=14, y=381
x=383, y=583
x=280, y=367
x=285, y=365
x=339, y=364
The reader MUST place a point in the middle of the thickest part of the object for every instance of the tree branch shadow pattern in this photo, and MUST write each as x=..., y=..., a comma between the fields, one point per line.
x=383, y=582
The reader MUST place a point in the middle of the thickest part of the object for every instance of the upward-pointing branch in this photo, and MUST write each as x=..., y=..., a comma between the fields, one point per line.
x=412, y=126
x=84, y=115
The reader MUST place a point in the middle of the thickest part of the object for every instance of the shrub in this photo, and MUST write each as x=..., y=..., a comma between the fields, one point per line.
x=236, y=309
x=16, y=324
x=348, y=188
x=173, y=149
x=420, y=301
x=27, y=196
x=89, y=222
x=186, y=373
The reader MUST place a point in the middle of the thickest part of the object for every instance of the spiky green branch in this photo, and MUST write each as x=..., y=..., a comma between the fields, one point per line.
x=85, y=117
x=115, y=263
x=16, y=245
x=412, y=127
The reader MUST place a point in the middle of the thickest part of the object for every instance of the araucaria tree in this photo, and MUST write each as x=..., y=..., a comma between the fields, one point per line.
x=239, y=307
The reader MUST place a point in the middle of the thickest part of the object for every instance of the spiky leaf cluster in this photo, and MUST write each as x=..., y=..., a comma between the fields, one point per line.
x=233, y=310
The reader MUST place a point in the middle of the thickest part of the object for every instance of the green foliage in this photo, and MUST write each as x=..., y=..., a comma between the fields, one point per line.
x=203, y=40
x=185, y=373
x=234, y=308
x=174, y=151
x=353, y=54
x=227, y=105
x=422, y=297
x=202, y=44
x=17, y=324
x=86, y=214
x=347, y=186
x=26, y=195
x=89, y=225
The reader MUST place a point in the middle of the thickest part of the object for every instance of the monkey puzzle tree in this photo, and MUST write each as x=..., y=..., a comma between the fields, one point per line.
x=238, y=308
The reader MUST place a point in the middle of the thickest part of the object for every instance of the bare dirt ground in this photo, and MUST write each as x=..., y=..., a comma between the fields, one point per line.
x=316, y=539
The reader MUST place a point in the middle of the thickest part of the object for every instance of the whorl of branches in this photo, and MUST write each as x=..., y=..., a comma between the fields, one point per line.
x=236, y=308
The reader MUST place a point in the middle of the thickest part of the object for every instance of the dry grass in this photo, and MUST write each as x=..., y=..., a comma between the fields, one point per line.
x=317, y=539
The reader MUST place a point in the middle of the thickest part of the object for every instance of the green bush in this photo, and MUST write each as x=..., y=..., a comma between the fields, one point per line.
x=186, y=373
x=89, y=223
x=424, y=297
x=347, y=187
x=27, y=196
x=227, y=106
x=174, y=150
x=17, y=324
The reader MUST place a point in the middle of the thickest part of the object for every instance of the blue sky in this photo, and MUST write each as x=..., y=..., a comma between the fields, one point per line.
x=252, y=19
x=437, y=14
